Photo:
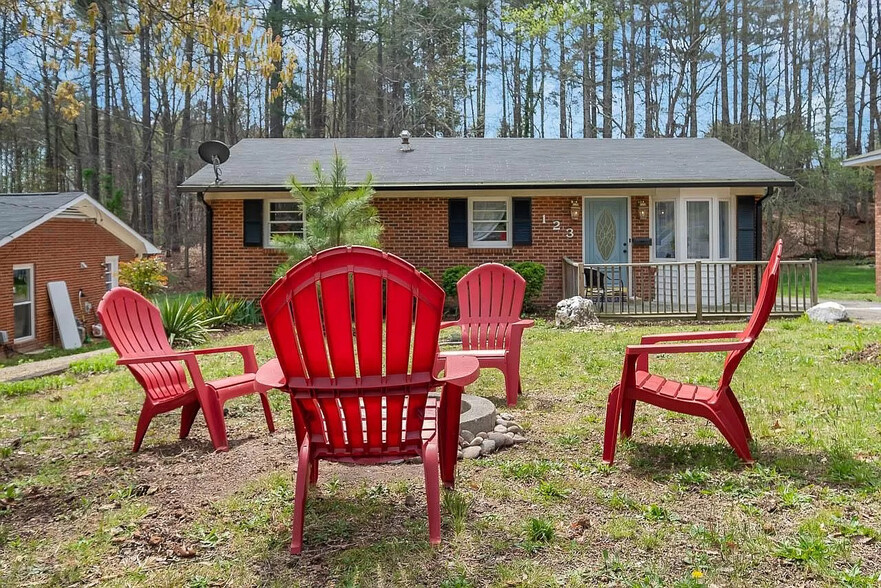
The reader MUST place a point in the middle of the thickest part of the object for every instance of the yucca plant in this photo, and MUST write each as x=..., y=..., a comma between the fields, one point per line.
x=222, y=310
x=184, y=319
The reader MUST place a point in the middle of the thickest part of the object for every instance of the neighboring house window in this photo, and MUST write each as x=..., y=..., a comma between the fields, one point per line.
x=111, y=272
x=23, y=301
x=665, y=229
x=489, y=222
x=724, y=229
x=697, y=229
x=283, y=218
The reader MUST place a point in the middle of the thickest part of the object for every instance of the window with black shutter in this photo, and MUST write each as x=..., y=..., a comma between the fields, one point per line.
x=457, y=222
x=522, y=213
x=746, y=228
x=252, y=230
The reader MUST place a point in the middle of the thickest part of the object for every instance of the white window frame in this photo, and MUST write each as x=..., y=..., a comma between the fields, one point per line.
x=111, y=264
x=681, y=227
x=32, y=302
x=267, y=225
x=472, y=244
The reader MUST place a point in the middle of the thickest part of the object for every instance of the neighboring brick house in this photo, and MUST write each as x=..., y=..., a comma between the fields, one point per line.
x=51, y=237
x=445, y=202
x=873, y=159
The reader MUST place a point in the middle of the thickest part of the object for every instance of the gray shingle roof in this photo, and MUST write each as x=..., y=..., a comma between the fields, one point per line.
x=269, y=163
x=19, y=210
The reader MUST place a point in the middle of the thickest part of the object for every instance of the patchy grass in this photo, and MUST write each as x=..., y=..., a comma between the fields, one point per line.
x=52, y=352
x=846, y=279
x=677, y=508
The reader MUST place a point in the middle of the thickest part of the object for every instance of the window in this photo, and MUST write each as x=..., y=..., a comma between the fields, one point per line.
x=283, y=218
x=724, y=230
x=489, y=222
x=111, y=272
x=23, y=301
x=697, y=229
x=665, y=229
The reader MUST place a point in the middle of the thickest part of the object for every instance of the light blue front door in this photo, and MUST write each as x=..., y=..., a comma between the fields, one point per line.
x=605, y=230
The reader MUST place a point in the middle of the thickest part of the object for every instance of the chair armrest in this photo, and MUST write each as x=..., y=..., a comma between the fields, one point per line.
x=246, y=351
x=270, y=376
x=138, y=359
x=638, y=350
x=448, y=324
x=460, y=370
x=650, y=339
x=523, y=323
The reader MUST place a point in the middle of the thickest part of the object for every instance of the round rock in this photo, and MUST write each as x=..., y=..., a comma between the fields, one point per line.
x=476, y=441
x=514, y=429
x=487, y=447
x=500, y=429
x=472, y=452
x=519, y=439
x=506, y=416
x=501, y=439
x=467, y=435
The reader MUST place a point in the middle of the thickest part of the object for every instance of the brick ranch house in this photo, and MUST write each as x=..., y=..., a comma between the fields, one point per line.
x=50, y=237
x=446, y=202
x=873, y=159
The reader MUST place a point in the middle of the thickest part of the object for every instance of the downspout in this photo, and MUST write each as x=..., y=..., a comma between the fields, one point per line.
x=759, y=224
x=209, y=245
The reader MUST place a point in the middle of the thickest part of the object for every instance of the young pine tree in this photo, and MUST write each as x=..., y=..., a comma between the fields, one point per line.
x=334, y=214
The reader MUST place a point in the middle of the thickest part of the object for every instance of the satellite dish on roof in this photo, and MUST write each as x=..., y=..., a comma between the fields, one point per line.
x=215, y=153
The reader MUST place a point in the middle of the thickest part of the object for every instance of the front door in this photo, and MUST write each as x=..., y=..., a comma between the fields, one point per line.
x=605, y=230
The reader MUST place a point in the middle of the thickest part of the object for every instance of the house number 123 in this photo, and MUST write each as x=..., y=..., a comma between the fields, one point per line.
x=558, y=226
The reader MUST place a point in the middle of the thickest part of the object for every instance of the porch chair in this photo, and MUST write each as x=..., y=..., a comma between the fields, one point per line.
x=596, y=287
x=490, y=301
x=355, y=331
x=718, y=405
x=134, y=327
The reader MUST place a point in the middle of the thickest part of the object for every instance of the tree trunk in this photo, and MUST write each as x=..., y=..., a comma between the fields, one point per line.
x=608, y=56
x=275, y=21
x=146, y=181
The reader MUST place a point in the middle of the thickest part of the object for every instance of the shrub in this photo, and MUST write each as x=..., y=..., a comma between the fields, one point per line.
x=452, y=275
x=222, y=309
x=146, y=275
x=534, y=274
x=184, y=319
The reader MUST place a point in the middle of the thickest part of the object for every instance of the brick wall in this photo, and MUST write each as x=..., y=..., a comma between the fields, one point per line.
x=56, y=248
x=643, y=277
x=415, y=228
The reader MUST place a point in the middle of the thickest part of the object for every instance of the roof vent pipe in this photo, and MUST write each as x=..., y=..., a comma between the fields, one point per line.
x=405, y=141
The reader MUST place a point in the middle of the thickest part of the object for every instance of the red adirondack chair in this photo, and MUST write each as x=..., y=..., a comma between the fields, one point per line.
x=490, y=301
x=134, y=328
x=718, y=405
x=355, y=331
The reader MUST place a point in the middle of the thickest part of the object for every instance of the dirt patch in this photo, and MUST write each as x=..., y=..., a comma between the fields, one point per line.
x=871, y=353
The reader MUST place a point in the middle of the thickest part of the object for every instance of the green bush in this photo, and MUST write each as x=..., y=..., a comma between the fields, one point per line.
x=146, y=275
x=534, y=274
x=452, y=275
x=184, y=319
x=222, y=310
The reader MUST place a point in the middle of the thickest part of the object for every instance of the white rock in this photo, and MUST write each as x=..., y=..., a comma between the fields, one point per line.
x=487, y=447
x=500, y=429
x=575, y=312
x=827, y=312
x=476, y=441
x=506, y=416
x=514, y=429
x=472, y=452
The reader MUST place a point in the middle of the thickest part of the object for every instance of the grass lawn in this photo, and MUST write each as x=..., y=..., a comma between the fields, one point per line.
x=677, y=509
x=51, y=352
x=846, y=279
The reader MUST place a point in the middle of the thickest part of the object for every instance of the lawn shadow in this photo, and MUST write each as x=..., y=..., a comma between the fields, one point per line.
x=837, y=468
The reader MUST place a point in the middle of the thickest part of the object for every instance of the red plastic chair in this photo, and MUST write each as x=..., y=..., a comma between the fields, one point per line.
x=134, y=328
x=718, y=405
x=490, y=301
x=355, y=331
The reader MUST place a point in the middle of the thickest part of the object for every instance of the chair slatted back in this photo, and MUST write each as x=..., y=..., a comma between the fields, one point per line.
x=134, y=328
x=355, y=332
x=764, y=305
x=490, y=299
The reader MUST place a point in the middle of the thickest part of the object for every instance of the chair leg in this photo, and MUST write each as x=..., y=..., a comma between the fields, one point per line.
x=724, y=416
x=432, y=491
x=739, y=411
x=143, y=424
x=212, y=408
x=313, y=473
x=512, y=384
x=628, y=408
x=448, y=432
x=612, y=420
x=303, y=475
x=267, y=412
x=187, y=417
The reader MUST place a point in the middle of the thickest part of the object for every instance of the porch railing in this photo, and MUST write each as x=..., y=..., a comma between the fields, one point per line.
x=691, y=289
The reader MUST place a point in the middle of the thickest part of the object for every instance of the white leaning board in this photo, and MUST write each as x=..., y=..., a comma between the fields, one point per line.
x=64, y=317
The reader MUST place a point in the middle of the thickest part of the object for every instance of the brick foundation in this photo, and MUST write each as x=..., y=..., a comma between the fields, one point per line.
x=56, y=249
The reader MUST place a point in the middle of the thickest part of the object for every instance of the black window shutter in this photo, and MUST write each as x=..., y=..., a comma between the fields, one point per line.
x=252, y=214
x=522, y=208
x=746, y=228
x=457, y=209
